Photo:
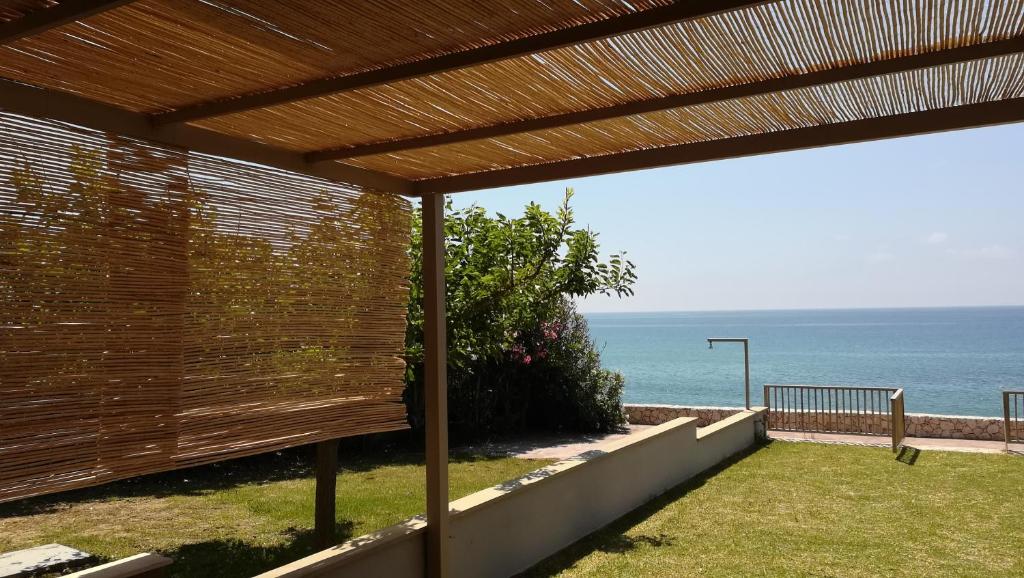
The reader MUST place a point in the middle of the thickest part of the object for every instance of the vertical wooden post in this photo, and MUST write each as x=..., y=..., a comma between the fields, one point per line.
x=436, y=385
x=765, y=401
x=326, y=482
x=1006, y=419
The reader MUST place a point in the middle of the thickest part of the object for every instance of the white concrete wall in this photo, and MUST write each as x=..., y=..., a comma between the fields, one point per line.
x=506, y=529
x=138, y=566
x=923, y=425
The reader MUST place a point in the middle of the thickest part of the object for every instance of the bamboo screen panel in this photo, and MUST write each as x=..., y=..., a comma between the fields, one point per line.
x=162, y=309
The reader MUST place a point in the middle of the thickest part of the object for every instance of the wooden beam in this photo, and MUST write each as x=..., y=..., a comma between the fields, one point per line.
x=68, y=11
x=436, y=384
x=955, y=118
x=51, y=104
x=654, y=17
x=326, y=486
x=810, y=79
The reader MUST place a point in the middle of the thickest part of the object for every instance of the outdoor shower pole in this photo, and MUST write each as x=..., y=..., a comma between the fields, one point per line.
x=746, y=373
x=746, y=362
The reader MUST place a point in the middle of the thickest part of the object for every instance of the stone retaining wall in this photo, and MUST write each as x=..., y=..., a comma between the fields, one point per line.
x=657, y=414
x=918, y=424
x=954, y=426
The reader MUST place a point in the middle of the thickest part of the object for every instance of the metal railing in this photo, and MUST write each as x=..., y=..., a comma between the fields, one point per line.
x=1013, y=417
x=837, y=409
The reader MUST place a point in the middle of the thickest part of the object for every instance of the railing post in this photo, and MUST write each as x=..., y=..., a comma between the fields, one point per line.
x=1006, y=419
x=897, y=419
x=766, y=401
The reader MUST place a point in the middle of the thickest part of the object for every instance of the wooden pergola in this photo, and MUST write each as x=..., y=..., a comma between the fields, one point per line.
x=424, y=99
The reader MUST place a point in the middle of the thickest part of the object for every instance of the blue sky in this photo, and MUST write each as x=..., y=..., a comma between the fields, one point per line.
x=935, y=220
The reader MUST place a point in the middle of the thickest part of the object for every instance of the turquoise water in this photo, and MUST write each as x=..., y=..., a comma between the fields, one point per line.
x=951, y=361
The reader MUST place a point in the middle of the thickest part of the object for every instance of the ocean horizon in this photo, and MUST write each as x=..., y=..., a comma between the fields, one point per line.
x=949, y=360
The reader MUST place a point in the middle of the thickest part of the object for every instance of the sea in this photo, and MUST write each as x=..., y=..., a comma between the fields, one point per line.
x=948, y=360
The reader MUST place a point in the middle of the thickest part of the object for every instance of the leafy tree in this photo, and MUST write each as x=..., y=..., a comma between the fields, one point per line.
x=515, y=341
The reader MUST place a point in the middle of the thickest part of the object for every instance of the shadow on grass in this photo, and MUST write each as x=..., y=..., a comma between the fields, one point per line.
x=264, y=468
x=613, y=539
x=237, y=558
x=292, y=464
x=908, y=455
x=621, y=544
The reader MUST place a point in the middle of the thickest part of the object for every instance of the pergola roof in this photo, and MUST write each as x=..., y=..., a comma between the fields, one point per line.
x=417, y=96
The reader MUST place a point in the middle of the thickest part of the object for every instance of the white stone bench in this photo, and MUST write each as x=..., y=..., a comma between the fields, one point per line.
x=46, y=558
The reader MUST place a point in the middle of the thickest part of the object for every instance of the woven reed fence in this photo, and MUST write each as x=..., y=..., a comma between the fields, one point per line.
x=160, y=309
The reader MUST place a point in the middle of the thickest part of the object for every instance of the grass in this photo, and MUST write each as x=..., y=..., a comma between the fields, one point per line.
x=801, y=509
x=255, y=513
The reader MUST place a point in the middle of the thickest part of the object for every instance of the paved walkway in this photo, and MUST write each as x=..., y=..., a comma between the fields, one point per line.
x=558, y=447
x=939, y=444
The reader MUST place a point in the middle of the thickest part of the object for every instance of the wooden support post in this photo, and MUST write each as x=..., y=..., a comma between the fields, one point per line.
x=436, y=382
x=326, y=482
x=1006, y=419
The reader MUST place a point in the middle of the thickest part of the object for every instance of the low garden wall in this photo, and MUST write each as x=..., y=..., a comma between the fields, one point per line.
x=954, y=426
x=918, y=424
x=656, y=414
x=504, y=530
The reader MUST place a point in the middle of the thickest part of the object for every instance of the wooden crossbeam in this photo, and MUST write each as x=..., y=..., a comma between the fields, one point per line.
x=954, y=118
x=42, y=20
x=818, y=78
x=51, y=104
x=677, y=12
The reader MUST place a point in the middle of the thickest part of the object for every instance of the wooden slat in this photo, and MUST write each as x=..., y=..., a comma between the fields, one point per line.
x=64, y=13
x=954, y=118
x=51, y=104
x=654, y=17
x=817, y=78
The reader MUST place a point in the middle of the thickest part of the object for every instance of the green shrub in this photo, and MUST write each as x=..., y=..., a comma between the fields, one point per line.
x=520, y=357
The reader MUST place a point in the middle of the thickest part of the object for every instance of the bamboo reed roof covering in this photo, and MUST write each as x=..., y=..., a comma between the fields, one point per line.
x=162, y=309
x=436, y=96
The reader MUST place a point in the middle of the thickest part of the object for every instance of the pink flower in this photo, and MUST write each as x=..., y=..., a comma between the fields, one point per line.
x=527, y=360
x=551, y=330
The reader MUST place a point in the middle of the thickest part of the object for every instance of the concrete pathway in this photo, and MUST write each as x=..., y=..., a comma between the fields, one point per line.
x=560, y=447
x=938, y=444
x=555, y=447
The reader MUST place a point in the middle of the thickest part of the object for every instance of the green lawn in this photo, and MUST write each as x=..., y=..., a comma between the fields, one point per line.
x=801, y=509
x=255, y=513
